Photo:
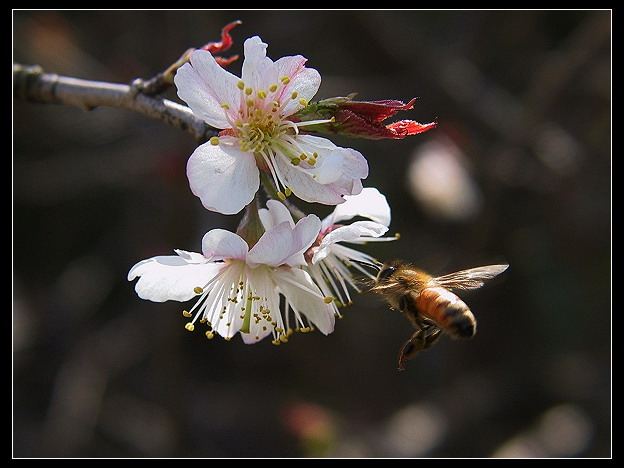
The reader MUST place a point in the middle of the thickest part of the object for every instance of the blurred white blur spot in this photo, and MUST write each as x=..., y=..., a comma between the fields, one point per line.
x=440, y=182
x=558, y=149
x=415, y=430
x=565, y=430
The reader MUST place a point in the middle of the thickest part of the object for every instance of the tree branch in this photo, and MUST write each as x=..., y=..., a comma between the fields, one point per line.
x=31, y=84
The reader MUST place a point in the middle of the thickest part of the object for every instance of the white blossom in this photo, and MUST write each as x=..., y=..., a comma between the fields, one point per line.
x=241, y=289
x=257, y=133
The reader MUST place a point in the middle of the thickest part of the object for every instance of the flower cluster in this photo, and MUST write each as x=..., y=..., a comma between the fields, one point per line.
x=283, y=270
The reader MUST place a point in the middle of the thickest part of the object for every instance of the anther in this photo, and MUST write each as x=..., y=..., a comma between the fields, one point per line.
x=294, y=95
x=225, y=105
x=295, y=161
x=214, y=141
x=262, y=94
x=328, y=299
x=209, y=335
x=198, y=290
x=273, y=88
x=287, y=192
x=186, y=313
x=241, y=85
x=285, y=80
x=248, y=91
x=281, y=195
x=303, y=102
x=189, y=326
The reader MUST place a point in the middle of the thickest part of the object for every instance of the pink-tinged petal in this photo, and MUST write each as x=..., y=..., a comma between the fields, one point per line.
x=275, y=245
x=191, y=257
x=305, y=187
x=305, y=82
x=170, y=278
x=330, y=168
x=347, y=165
x=274, y=214
x=352, y=233
x=370, y=203
x=305, y=233
x=305, y=297
x=223, y=177
x=219, y=244
x=257, y=66
x=205, y=86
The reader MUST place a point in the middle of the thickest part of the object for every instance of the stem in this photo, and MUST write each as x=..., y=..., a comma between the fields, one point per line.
x=31, y=84
x=270, y=189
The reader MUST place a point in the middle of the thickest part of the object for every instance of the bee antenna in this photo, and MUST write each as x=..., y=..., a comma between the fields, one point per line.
x=373, y=263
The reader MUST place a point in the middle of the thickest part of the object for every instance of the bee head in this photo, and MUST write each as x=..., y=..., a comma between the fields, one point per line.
x=387, y=270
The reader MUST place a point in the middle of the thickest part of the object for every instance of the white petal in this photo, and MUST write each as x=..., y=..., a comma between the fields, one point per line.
x=170, y=277
x=330, y=169
x=303, y=81
x=301, y=292
x=274, y=214
x=345, y=168
x=350, y=233
x=191, y=257
x=256, y=65
x=223, y=177
x=219, y=244
x=370, y=203
x=205, y=86
x=275, y=245
x=305, y=233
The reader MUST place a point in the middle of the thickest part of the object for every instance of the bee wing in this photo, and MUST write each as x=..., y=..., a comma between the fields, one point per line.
x=471, y=278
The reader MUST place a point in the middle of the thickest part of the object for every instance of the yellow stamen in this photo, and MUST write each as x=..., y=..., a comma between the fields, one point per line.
x=186, y=313
x=214, y=141
x=198, y=290
x=189, y=326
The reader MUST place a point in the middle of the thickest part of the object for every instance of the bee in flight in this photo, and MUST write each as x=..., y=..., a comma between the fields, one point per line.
x=428, y=302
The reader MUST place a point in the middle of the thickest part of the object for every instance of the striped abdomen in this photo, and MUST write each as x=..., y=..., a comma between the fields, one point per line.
x=448, y=311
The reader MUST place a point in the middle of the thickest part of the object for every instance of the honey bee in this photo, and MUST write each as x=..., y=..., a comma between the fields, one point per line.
x=428, y=302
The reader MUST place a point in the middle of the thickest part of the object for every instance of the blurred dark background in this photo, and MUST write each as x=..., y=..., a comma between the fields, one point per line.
x=518, y=170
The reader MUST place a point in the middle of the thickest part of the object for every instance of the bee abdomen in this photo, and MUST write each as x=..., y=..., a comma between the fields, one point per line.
x=448, y=311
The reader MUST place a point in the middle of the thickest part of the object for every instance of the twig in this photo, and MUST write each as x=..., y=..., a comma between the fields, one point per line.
x=31, y=84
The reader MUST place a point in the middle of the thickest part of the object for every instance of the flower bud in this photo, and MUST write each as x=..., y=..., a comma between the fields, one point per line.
x=361, y=119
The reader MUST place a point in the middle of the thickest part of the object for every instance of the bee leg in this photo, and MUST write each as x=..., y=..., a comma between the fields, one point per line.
x=432, y=336
x=411, y=347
